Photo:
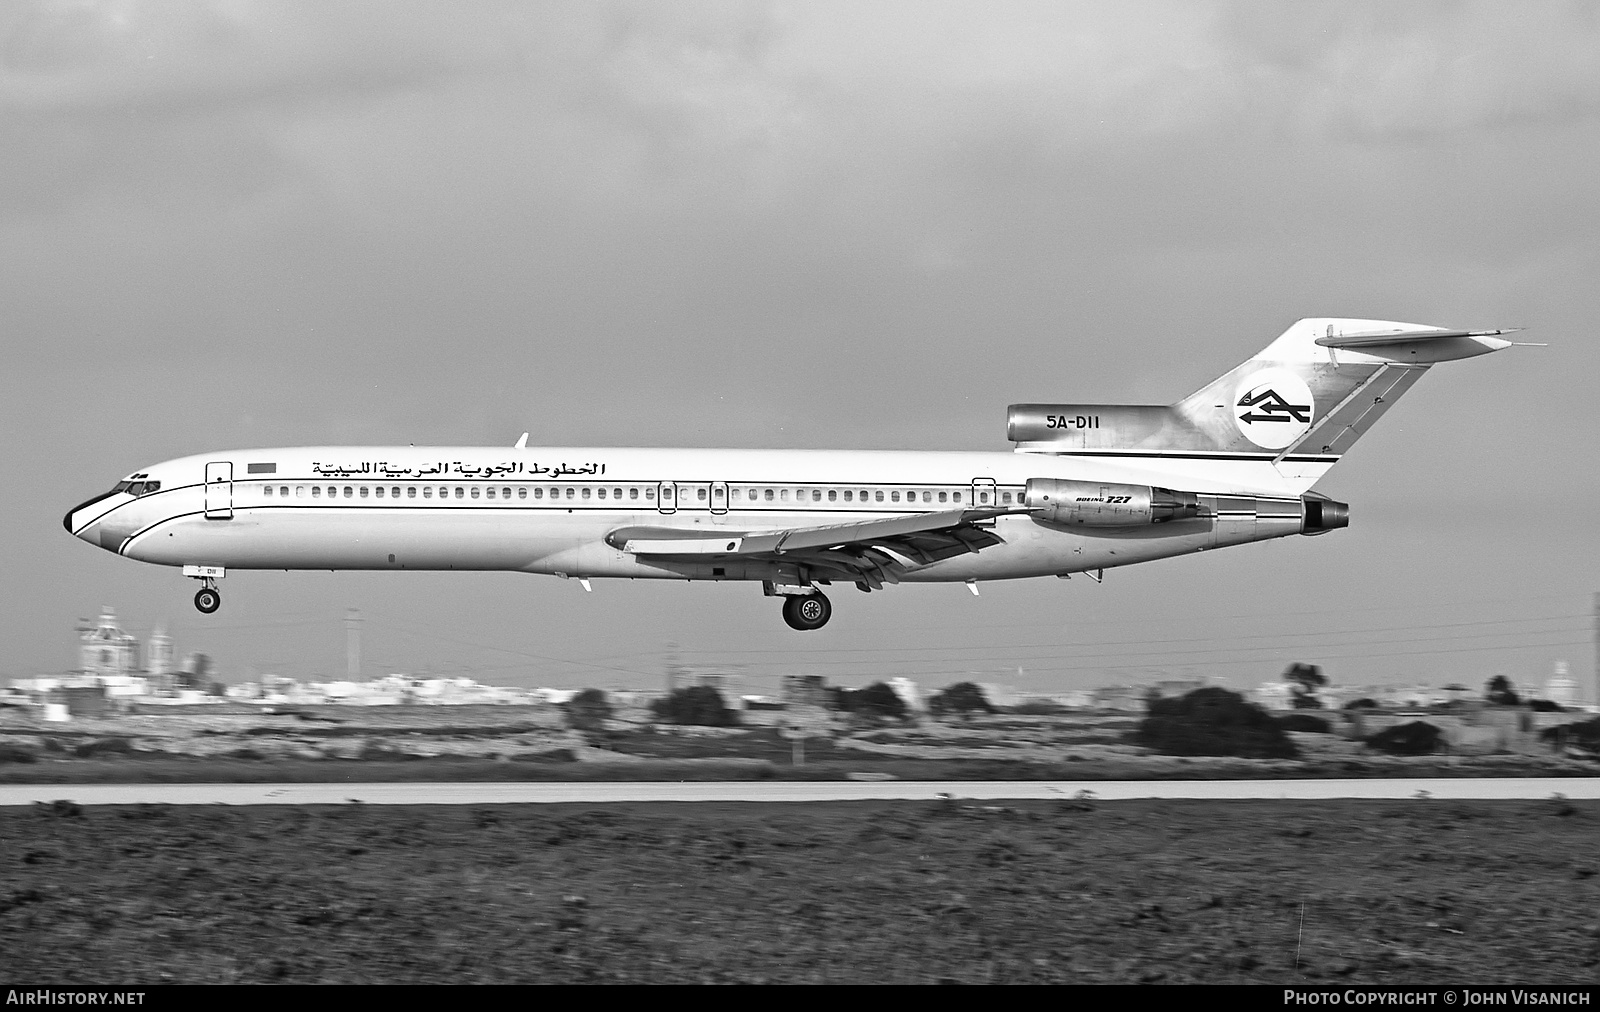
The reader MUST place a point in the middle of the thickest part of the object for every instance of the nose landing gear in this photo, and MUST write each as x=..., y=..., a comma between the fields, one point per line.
x=807, y=612
x=208, y=599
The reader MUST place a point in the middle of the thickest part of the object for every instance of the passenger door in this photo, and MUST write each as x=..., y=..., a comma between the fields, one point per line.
x=219, y=490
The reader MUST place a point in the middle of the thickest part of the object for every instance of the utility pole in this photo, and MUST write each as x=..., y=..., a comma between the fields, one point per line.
x=352, y=641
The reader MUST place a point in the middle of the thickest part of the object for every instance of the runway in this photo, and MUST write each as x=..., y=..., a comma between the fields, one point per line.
x=1510, y=788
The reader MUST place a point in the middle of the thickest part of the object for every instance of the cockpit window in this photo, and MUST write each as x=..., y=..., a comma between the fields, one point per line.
x=122, y=486
x=137, y=488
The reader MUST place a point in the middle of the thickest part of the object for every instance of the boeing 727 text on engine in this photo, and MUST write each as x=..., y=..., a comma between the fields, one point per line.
x=1089, y=487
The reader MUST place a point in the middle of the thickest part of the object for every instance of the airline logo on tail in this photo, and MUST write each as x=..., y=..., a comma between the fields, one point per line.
x=1273, y=408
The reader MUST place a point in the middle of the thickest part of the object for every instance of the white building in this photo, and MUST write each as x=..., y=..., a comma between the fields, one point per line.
x=1561, y=687
x=105, y=650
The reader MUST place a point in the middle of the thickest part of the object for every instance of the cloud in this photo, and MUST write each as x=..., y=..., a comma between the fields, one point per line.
x=68, y=55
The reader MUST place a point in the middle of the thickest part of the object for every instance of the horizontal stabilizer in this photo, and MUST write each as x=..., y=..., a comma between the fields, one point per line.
x=1373, y=338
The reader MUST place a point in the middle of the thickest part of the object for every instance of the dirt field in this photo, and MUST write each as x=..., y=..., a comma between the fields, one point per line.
x=1418, y=891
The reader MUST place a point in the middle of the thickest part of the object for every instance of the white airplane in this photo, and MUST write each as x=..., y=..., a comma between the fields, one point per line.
x=1088, y=488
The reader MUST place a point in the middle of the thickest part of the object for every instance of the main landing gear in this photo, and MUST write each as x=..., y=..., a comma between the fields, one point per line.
x=208, y=599
x=808, y=611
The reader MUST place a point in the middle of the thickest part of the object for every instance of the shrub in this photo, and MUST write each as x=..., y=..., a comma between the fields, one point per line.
x=1305, y=722
x=1501, y=691
x=1213, y=721
x=1415, y=738
x=697, y=704
x=876, y=700
x=1583, y=736
x=962, y=697
x=588, y=710
x=10, y=753
x=103, y=746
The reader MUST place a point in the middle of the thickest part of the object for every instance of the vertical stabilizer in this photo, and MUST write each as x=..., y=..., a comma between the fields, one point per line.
x=1297, y=406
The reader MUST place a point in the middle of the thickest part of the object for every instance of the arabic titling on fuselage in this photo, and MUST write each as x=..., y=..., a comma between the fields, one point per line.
x=1086, y=488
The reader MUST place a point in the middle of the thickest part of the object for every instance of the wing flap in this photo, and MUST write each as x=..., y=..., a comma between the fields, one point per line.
x=870, y=552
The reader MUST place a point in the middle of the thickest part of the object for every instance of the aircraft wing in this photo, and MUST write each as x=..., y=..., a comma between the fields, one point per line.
x=869, y=552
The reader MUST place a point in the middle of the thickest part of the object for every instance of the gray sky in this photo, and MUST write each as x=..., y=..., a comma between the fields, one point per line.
x=867, y=225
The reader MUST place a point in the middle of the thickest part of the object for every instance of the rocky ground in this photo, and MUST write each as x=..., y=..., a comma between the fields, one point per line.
x=1274, y=892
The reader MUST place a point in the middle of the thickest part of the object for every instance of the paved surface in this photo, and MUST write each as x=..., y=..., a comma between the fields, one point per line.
x=552, y=793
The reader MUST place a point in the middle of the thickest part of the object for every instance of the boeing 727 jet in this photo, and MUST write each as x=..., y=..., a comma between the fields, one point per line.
x=1088, y=487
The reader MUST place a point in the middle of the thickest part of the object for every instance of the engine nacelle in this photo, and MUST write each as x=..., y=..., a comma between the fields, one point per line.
x=1319, y=514
x=1096, y=504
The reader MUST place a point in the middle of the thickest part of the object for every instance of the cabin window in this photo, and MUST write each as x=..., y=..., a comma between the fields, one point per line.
x=1006, y=497
x=700, y=494
x=505, y=493
x=616, y=493
x=316, y=490
x=783, y=494
x=892, y=495
x=847, y=495
x=299, y=491
x=602, y=493
x=585, y=491
x=538, y=492
x=348, y=492
x=716, y=493
x=491, y=492
x=941, y=497
x=834, y=496
x=927, y=496
x=378, y=491
x=650, y=494
x=572, y=493
x=461, y=493
x=633, y=493
x=411, y=491
x=363, y=491
x=816, y=495
x=268, y=490
x=522, y=492
x=957, y=497
x=427, y=491
x=475, y=491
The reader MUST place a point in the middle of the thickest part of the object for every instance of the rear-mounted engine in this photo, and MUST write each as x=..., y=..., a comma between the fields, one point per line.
x=1320, y=515
x=1093, y=504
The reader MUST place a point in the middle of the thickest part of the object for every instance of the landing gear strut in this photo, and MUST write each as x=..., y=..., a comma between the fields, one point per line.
x=208, y=599
x=810, y=611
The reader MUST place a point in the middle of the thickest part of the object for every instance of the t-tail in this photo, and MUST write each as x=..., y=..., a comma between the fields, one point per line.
x=1295, y=408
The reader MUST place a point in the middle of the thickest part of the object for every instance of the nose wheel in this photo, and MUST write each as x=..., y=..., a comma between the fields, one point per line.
x=207, y=600
x=807, y=612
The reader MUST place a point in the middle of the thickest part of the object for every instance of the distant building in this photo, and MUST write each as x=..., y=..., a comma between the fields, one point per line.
x=1273, y=696
x=909, y=693
x=1561, y=687
x=1117, y=697
x=105, y=650
x=804, y=690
